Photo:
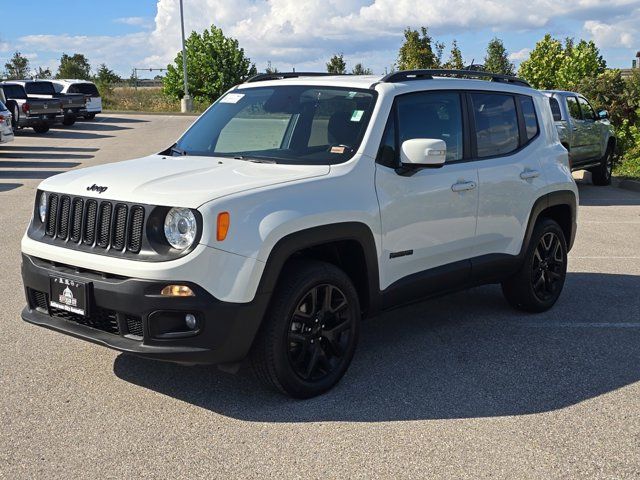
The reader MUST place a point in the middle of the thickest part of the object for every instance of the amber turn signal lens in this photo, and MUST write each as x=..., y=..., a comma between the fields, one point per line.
x=177, y=291
x=223, y=225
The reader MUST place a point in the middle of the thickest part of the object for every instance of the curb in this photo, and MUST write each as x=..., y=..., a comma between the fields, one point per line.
x=627, y=184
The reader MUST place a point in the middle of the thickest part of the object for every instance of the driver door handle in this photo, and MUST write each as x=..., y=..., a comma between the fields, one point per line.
x=529, y=174
x=463, y=186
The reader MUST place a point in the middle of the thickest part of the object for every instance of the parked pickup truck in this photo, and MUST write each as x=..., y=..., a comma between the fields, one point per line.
x=6, y=132
x=73, y=104
x=28, y=111
x=587, y=136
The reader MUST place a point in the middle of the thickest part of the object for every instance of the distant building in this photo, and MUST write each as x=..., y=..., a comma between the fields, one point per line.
x=635, y=64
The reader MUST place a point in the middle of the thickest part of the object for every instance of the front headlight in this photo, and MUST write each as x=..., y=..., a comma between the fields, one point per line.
x=42, y=206
x=180, y=228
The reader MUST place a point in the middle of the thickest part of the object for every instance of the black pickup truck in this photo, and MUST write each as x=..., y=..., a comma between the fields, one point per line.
x=27, y=111
x=73, y=104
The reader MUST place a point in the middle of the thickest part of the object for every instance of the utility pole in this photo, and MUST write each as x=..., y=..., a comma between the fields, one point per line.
x=186, y=104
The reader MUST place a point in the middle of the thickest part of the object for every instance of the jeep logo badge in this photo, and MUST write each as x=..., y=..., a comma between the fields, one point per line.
x=96, y=188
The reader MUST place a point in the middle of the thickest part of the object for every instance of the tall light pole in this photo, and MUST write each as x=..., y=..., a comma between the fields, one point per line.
x=186, y=104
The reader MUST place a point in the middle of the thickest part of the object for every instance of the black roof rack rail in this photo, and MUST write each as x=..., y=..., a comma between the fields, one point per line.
x=261, y=77
x=427, y=74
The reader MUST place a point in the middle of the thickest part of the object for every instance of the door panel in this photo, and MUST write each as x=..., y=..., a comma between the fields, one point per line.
x=592, y=130
x=579, y=132
x=428, y=215
x=423, y=214
x=509, y=183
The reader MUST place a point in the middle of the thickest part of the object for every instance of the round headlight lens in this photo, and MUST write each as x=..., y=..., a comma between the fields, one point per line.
x=180, y=228
x=42, y=207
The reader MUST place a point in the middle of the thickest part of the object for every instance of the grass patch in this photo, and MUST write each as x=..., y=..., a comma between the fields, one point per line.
x=146, y=99
x=629, y=167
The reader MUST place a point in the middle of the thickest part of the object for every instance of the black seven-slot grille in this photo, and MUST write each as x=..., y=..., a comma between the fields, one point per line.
x=102, y=224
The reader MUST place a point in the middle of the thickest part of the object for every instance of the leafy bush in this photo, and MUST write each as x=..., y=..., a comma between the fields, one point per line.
x=147, y=99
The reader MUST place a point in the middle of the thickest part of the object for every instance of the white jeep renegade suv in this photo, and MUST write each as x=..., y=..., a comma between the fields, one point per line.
x=297, y=205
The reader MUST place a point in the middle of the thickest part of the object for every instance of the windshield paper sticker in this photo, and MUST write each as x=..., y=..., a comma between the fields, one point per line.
x=232, y=98
x=357, y=115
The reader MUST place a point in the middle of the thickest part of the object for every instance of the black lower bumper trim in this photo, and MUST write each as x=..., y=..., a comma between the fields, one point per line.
x=119, y=311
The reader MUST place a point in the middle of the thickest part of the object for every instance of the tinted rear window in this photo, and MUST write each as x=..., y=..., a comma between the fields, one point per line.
x=14, y=91
x=496, y=123
x=39, y=88
x=85, y=88
x=529, y=114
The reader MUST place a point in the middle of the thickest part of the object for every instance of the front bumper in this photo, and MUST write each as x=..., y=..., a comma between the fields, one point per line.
x=125, y=314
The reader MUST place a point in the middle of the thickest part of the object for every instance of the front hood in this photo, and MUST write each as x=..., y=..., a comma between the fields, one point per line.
x=186, y=181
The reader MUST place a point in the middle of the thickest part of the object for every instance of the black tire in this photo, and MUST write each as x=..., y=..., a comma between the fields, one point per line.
x=305, y=346
x=69, y=120
x=90, y=116
x=601, y=175
x=41, y=128
x=15, y=116
x=545, y=261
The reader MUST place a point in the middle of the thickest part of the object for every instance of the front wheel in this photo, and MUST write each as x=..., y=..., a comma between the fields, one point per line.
x=90, y=116
x=310, y=332
x=601, y=175
x=15, y=118
x=538, y=284
x=69, y=120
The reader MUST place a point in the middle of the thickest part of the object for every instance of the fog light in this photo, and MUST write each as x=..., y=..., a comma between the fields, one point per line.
x=177, y=291
x=190, y=321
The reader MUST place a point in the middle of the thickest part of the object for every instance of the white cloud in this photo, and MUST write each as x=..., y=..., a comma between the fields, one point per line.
x=520, y=55
x=623, y=33
x=134, y=21
x=304, y=33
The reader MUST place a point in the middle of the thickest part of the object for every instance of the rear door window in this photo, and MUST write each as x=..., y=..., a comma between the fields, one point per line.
x=496, y=122
x=555, y=109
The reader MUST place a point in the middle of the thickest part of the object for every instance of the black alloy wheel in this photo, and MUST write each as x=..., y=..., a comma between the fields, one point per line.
x=319, y=332
x=548, y=267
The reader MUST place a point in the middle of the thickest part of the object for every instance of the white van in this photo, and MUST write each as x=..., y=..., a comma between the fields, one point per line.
x=87, y=88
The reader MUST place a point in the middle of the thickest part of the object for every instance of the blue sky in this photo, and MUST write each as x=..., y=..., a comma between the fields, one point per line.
x=305, y=33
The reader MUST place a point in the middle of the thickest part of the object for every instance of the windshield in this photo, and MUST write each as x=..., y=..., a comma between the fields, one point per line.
x=284, y=124
x=39, y=88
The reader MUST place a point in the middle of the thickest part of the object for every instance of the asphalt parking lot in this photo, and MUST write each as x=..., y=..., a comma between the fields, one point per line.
x=457, y=387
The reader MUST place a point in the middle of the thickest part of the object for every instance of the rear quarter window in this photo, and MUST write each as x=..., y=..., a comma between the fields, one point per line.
x=555, y=109
x=530, y=118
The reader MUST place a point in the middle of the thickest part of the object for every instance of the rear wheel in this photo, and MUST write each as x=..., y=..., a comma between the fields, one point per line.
x=69, y=120
x=42, y=128
x=539, y=282
x=90, y=116
x=601, y=175
x=310, y=332
x=15, y=116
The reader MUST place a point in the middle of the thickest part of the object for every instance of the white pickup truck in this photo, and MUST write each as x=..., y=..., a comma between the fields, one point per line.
x=587, y=135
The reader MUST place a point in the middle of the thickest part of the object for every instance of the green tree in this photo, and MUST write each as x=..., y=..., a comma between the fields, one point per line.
x=215, y=63
x=608, y=91
x=106, y=76
x=337, y=64
x=581, y=60
x=42, y=73
x=359, y=69
x=455, y=61
x=543, y=64
x=74, y=66
x=497, y=59
x=17, y=67
x=419, y=51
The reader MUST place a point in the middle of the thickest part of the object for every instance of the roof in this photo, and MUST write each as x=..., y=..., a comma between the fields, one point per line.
x=369, y=82
x=70, y=81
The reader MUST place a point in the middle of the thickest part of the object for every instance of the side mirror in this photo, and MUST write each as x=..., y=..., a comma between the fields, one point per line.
x=423, y=152
x=603, y=115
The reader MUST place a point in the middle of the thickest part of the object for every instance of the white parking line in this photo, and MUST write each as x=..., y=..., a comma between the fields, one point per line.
x=584, y=324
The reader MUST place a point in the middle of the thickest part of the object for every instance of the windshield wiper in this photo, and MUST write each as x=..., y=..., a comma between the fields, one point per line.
x=178, y=150
x=253, y=159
